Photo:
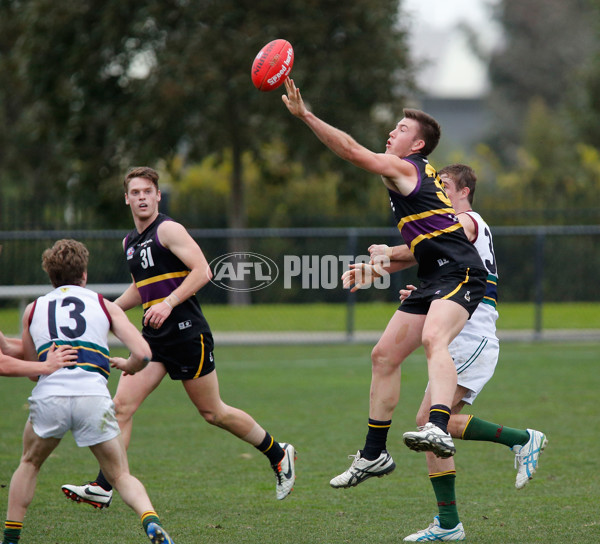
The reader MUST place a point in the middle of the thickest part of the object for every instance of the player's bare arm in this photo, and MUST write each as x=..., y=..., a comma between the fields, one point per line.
x=31, y=366
x=400, y=253
x=397, y=174
x=29, y=351
x=469, y=225
x=127, y=332
x=57, y=357
x=11, y=346
x=130, y=298
x=177, y=239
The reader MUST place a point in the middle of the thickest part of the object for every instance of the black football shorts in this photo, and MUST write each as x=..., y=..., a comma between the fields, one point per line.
x=465, y=286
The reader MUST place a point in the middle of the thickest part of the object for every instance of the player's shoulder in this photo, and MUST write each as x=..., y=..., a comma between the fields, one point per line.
x=168, y=224
x=170, y=231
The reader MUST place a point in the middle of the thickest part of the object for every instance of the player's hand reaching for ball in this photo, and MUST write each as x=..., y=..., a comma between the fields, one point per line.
x=293, y=100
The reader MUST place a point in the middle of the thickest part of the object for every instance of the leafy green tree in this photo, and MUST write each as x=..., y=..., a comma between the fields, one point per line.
x=584, y=106
x=545, y=45
x=93, y=87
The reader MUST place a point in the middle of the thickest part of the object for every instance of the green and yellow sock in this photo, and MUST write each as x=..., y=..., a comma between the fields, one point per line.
x=12, y=532
x=150, y=517
x=478, y=429
x=443, y=487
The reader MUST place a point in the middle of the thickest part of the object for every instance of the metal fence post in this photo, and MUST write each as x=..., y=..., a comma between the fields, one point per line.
x=351, y=299
x=540, y=242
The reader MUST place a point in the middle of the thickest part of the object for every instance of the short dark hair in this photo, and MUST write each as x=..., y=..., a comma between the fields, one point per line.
x=65, y=262
x=463, y=176
x=141, y=172
x=429, y=128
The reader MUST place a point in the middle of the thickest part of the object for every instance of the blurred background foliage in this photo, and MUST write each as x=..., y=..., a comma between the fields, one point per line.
x=91, y=88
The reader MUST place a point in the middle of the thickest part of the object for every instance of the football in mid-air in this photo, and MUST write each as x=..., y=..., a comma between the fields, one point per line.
x=272, y=65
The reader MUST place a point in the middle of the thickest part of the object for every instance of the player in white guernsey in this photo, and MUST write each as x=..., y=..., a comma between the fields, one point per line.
x=475, y=353
x=76, y=398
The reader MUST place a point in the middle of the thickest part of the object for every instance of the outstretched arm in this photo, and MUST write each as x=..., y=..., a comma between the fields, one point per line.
x=391, y=167
x=11, y=346
x=127, y=333
x=32, y=368
x=399, y=257
x=57, y=358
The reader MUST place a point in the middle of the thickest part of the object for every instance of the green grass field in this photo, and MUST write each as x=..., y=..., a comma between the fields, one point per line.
x=212, y=488
x=368, y=316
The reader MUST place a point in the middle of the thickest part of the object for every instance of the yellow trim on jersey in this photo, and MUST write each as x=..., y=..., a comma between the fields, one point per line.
x=429, y=213
x=162, y=277
x=201, y=358
x=430, y=235
x=458, y=286
x=146, y=305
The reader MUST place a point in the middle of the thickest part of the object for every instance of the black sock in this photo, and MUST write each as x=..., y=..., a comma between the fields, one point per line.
x=103, y=482
x=439, y=414
x=376, y=438
x=271, y=449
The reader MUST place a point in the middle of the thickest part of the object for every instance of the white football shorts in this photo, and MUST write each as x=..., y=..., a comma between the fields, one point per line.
x=91, y=419
x=475, y=358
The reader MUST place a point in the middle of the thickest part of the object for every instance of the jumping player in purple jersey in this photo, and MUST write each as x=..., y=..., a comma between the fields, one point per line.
x=453, y=281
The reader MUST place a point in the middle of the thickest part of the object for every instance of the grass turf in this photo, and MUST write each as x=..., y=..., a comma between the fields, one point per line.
x=212, y=488
x=368, y=316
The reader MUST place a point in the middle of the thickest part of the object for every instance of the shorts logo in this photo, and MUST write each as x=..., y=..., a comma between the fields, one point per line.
x=243, y=271
x=468, y=296
x=184, y=325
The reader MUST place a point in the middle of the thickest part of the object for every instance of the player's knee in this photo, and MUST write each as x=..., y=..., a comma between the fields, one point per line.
x=33, y=462
x=123, y=409
x=211, y=416
x=432, y=343
x=381, y=360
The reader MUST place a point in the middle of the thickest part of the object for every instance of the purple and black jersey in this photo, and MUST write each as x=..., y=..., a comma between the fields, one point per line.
x=429, y=226
x=157, y=272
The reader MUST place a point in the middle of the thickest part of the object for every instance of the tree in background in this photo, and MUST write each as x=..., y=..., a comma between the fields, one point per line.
x=93, y=87
x=542, y=163
x=545, y=45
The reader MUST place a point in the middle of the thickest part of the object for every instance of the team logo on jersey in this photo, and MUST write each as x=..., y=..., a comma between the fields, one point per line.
x=185, y=325
x=130, y=252
x=243, y=271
